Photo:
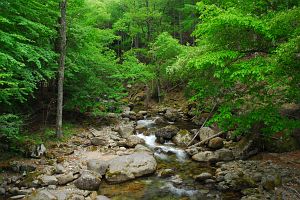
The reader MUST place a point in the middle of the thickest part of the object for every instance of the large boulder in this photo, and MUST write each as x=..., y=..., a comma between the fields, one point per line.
x=88, y=181
x=205, y=133
x=206, y=156
x=166, y=133
x=125, y=130
x=214, y=156
x=48, y=180
x=182, y=138
x=128, y=167
x=134, y=140
x=98, y=166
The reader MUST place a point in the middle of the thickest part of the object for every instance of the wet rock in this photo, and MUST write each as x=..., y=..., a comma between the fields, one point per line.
x=134, y=140
x=166, y=133
x=216, y=143
x=166, y=173
x=128, y=167
x=182, y=138
x=206, y=156
x=63, y=179
x=42, y=195
x=88, y=181
x=203, y=176
x=101, y=197
x=206, y=132
x=142, y=148
x=38, y=151
x=141, y=128
x=176, y=180
x=48, y=180
x=98, y=166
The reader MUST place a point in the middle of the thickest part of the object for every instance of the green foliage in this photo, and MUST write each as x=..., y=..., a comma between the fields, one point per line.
x=247, y=62
x=10, y=126
x=26, y=56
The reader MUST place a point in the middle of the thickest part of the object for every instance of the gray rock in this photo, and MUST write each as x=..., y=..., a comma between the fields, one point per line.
x=176, y=180
x=134, y=140
x=101, y=197
x=224, y=154
x=17, y=197
x=166, y=133
x=19, y=166
x=2, y=191
x=206, y=156
x=48, y=180
x=99, y=141
x=159, y=120
x=142, y=148
x=166, y=173
x=182, y=138
x=216, y=143
x=172, y=115
x=191, y=151
x=52, y=187
x=76, y=197
x=98, y=166
x=63, y=179
x=88, y=181
x=125, y=130
x=38, y=151
x=42, y=195
x=203, y=176
x=206, y=132
x=59, y=169
x=142, y=112
x=128, y=167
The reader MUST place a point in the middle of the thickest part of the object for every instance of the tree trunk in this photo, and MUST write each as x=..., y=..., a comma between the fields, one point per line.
x=61, y=70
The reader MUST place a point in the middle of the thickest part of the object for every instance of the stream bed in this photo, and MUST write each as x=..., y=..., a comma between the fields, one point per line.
x=178, y=183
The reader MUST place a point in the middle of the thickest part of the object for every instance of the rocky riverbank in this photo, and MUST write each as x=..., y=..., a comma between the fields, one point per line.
x=91, y=162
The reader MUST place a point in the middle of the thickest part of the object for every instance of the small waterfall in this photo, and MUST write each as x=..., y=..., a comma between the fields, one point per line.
x=162, y=151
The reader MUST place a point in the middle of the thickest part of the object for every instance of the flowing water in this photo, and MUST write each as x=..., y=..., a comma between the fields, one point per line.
x=180, y=186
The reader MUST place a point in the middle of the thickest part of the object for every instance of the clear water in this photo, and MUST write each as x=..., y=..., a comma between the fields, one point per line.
x=152, y=187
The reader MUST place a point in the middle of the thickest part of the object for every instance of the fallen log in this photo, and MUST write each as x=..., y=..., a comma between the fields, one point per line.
x=204, y=141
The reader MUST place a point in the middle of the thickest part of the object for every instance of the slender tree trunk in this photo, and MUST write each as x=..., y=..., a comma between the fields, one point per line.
x=61, y=70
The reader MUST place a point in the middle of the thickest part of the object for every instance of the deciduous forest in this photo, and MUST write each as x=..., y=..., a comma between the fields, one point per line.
x=162, y=85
